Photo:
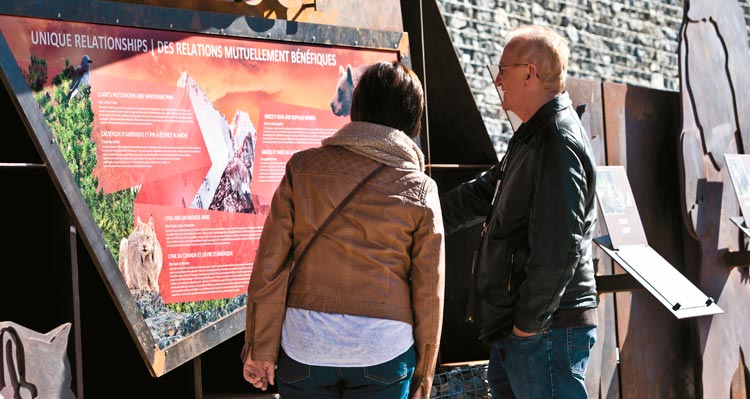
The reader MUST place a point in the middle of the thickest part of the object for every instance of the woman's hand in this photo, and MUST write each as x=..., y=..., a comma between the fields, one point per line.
x=259, y=373
x=418, y=394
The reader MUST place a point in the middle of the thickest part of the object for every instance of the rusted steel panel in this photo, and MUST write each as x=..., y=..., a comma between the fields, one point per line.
x=32, y=364
x=587, y=100
x=609, y=377
x=714, y=91
x=614, y=121
x=642, y=136
x=601, y=375
x=378, y=15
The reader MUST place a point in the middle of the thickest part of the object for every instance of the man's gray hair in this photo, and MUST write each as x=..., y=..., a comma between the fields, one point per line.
x=544, y=48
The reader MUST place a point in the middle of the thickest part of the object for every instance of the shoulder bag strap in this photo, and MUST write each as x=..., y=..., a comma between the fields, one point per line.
x=333, y=214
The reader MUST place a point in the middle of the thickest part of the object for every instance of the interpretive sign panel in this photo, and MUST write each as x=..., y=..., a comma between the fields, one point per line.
x=618, y=207
x=176, y=141
x=738, y=166
x=628, y=247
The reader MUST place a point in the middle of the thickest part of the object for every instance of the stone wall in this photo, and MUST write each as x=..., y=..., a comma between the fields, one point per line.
x=626, y=41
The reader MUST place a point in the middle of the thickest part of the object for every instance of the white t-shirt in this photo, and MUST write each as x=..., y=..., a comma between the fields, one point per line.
x=339, y=340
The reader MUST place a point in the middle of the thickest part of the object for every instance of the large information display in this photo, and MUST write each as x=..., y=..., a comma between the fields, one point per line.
x=177, y=142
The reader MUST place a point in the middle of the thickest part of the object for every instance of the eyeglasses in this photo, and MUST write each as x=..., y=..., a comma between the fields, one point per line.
x=501, y=66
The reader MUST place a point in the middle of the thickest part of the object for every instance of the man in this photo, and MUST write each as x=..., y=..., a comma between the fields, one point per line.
x=535, y=275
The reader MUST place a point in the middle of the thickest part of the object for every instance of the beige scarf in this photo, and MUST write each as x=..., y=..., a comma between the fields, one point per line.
x=380, y=143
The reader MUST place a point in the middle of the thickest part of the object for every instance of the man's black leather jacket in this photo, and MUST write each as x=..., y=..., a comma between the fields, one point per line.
x=535, y=256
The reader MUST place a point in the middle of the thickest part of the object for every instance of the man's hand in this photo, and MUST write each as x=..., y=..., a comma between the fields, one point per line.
x=418, y=394
x=259, y=373
x=519, y=333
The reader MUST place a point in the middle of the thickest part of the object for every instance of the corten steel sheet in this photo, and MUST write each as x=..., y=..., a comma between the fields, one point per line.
x=608, y=383
x=613, y=99
x=587, y=100
x=642, y=135
x=614, y=121
x=602, y=375
x=714, y=92
x=379, y=15
x=32, y=364
x=73, y=248
x=186, y=20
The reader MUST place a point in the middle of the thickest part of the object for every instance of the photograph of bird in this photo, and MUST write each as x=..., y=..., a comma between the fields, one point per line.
x=80, y=77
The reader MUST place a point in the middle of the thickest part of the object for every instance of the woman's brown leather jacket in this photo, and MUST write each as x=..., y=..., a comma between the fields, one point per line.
x=382, y=256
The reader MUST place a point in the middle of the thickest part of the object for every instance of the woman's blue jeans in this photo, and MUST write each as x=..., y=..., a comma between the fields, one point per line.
x=391, y=379
x=548, y=365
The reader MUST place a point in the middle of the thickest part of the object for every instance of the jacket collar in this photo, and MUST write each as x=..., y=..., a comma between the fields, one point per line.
x=542, y=115
x=380, y=143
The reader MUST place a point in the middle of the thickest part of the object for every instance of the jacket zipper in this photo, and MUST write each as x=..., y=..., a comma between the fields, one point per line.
x=510, y=270
x=471, y=303
x=498, y=186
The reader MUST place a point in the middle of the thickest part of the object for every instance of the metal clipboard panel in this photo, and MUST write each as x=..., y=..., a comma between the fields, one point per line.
x=738, y=166
x=673, y=290
x=618, y=206
x=627, y=245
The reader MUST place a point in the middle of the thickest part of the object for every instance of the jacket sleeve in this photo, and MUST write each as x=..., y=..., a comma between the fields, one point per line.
x=428, y=284
x=557, y=219
x=468, y=203
x=266, y=299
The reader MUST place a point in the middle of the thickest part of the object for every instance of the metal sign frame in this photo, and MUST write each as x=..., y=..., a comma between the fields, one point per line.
x=158, y=361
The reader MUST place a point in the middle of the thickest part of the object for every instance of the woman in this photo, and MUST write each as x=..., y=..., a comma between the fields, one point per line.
x=363, y=314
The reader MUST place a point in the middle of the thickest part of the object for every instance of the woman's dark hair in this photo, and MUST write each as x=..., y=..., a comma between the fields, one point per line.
x=389, y=94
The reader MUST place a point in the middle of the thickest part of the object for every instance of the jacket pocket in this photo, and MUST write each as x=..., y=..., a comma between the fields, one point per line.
x=290, y=370
x=516, y=270
x=502, y=270
x=399, y=368
x=509, y=271
x=580, y=340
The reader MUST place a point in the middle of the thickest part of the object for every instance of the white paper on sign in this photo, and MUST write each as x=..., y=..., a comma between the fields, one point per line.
x=656, y=271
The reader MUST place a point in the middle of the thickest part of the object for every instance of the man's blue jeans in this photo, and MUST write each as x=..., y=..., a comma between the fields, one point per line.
x=391, y=379
x=548, y=365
